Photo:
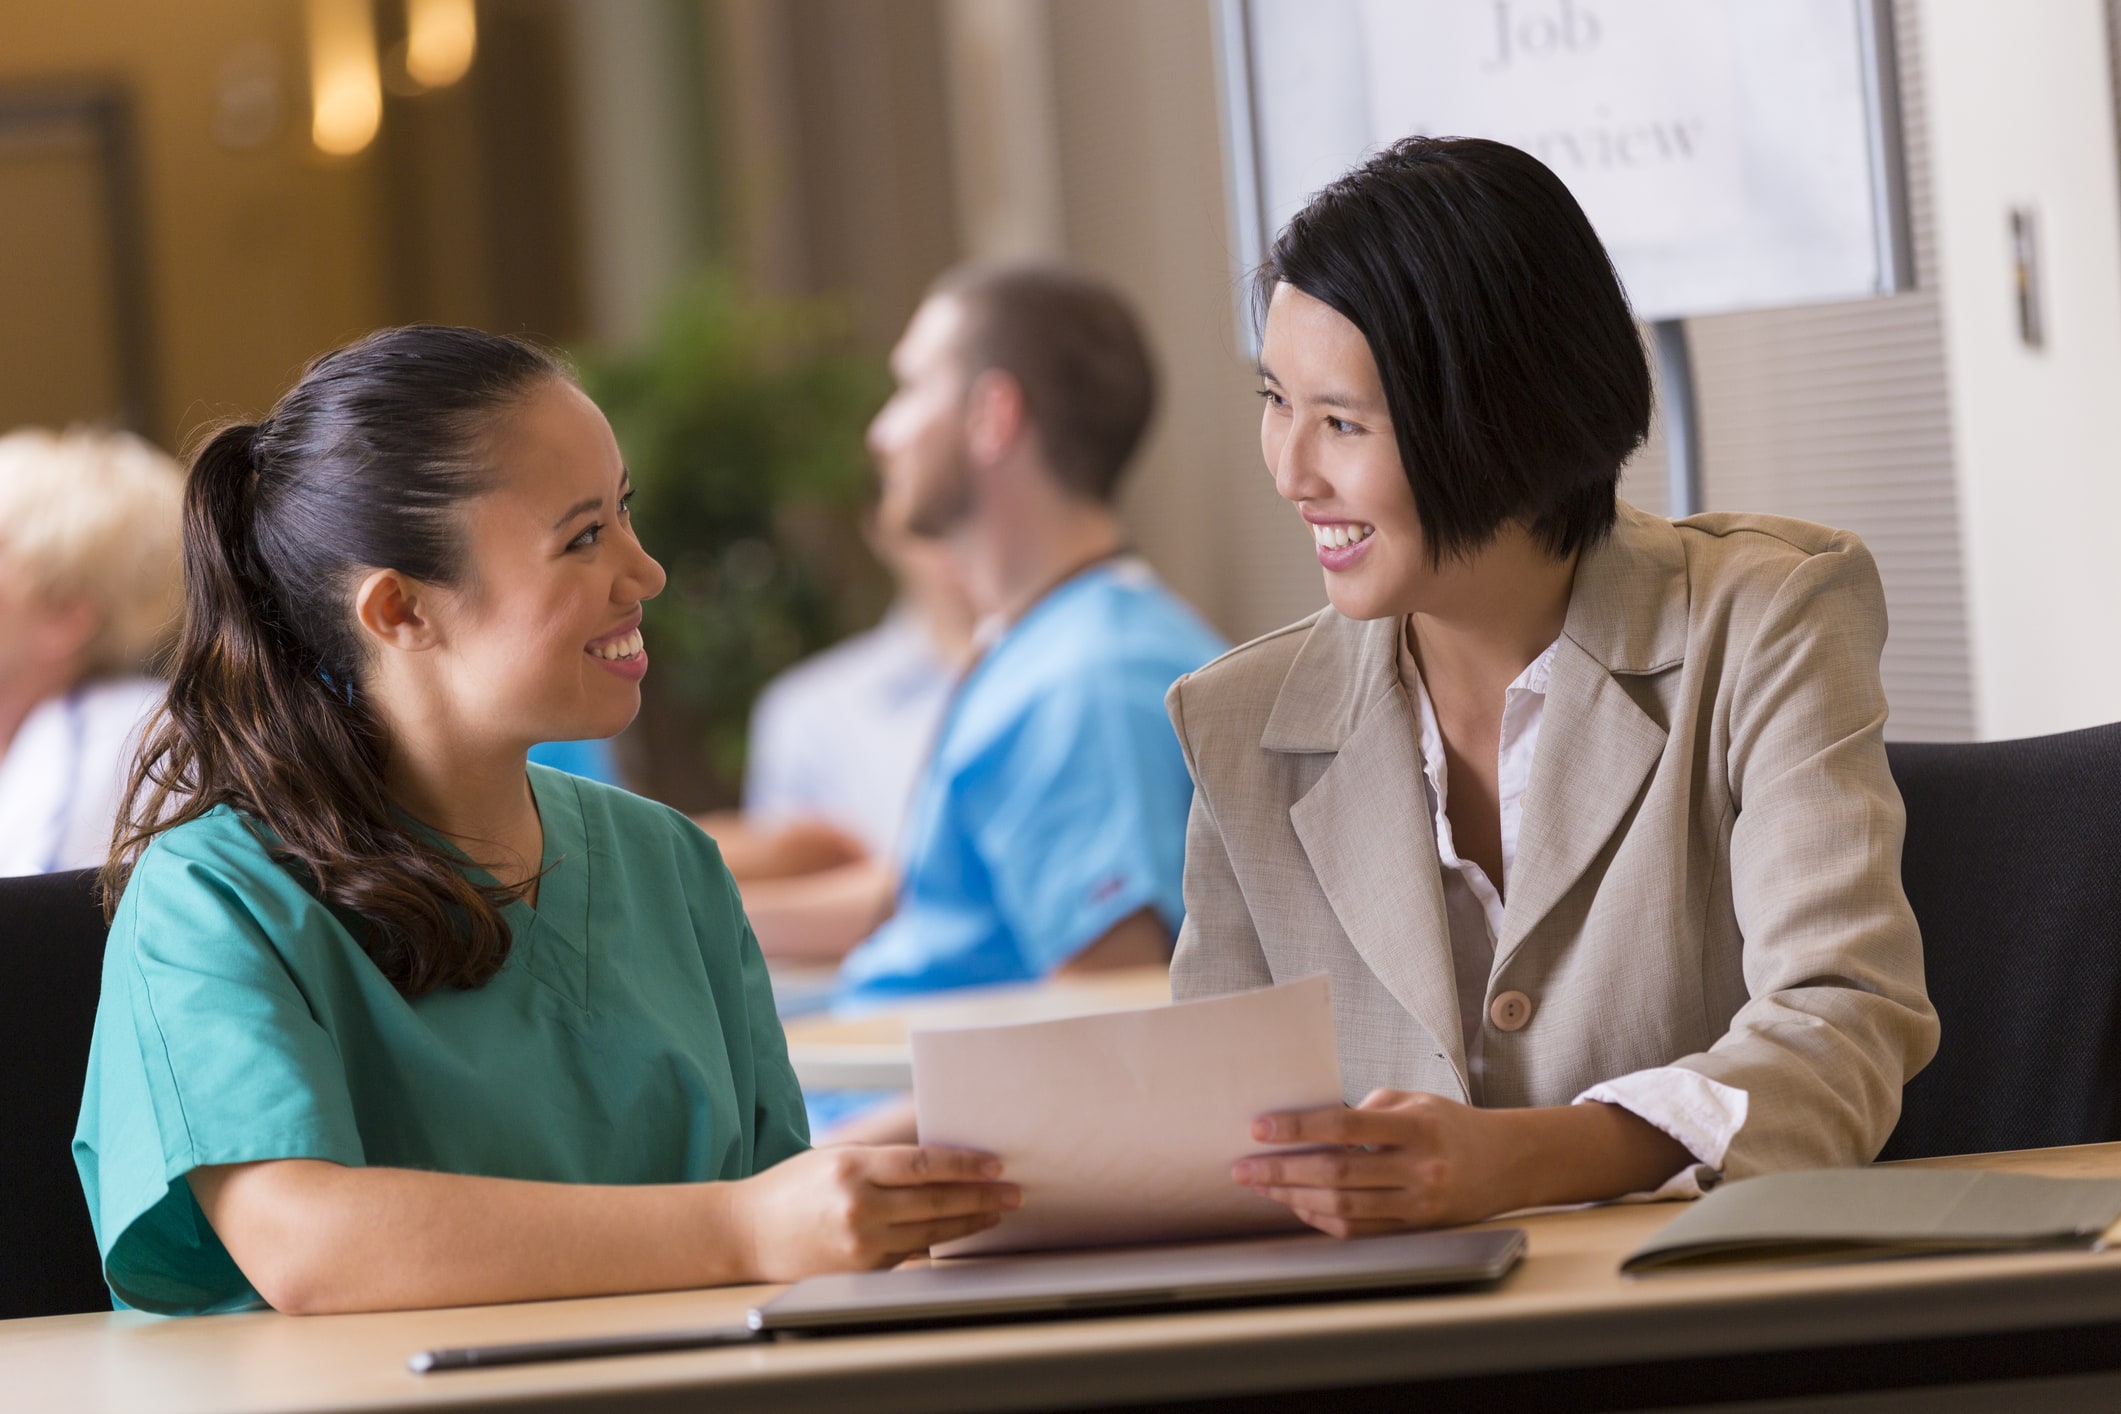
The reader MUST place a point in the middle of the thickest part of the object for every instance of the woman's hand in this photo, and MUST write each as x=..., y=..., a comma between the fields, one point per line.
x=1399, y=1160
x=845, y=1209
x=819, y=917
x=1409, y=1160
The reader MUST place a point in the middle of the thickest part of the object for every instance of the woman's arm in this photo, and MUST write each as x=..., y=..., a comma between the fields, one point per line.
x=819, y=917
x=793, y=848
x=1402, y=1160
x=1138, y=940
x=1218, y=949
x=317, y=1237
x=1837, y=1019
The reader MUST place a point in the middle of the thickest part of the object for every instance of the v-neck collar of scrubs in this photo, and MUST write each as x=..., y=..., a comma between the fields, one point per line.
x=551, y=941
x=557, y=930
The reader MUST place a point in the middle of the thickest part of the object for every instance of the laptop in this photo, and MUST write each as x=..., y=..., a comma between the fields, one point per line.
x=1140, y=1279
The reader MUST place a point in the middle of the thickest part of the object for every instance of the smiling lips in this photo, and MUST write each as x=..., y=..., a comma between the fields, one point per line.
x=626, y=645
x=1341, y=534
x=1341, y=543
x=622, y=652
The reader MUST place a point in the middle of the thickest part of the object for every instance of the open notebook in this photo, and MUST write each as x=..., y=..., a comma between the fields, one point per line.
x=1841, y=1215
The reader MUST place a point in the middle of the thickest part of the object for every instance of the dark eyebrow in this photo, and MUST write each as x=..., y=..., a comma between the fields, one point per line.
x=590, y=503
x=1347, y=402
x=579, y=508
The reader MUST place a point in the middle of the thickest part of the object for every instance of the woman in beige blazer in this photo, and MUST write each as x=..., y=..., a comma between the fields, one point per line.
x=1585, y=813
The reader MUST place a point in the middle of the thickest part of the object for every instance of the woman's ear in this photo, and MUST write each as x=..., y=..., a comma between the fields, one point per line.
x=389, y=607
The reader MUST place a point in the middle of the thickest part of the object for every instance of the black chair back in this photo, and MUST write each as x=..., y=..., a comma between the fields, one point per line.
x=51, y=967
x=2013, y=866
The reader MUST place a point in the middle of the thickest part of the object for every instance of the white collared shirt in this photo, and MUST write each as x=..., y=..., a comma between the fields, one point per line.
x=1702, y=1114
x=63, y=774
x=845, y=735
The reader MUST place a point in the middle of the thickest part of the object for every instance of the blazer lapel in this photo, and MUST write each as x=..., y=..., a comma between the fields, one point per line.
x=1364, y=825
x=1627, y=617
x=1596, y=748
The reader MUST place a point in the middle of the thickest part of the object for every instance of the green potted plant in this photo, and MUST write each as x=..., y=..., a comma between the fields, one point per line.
x=741, y=422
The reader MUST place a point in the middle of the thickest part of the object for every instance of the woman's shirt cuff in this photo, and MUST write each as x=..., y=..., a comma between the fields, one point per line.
x=1702, y=1114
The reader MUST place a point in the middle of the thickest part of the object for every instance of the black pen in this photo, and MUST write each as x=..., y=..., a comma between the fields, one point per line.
x=479, y=1357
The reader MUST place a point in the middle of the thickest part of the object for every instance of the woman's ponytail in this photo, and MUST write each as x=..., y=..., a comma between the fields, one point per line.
x=228, y=664
x=220, y=570
x=362, y=465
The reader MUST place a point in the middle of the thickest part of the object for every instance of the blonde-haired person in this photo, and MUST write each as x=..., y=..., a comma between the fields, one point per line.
x=89, y=591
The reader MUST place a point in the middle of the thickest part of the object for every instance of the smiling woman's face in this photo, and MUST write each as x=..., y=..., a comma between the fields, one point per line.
x=1327, y=438
x=543, y=641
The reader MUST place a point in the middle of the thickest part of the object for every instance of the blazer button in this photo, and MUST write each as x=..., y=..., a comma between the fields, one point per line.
x=1510, y=1011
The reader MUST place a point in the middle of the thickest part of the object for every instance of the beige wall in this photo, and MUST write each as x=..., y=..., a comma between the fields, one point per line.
x=2023, y=114
x=631, y=63
x=1142, y=187
x=834, y=147
x=256, y=258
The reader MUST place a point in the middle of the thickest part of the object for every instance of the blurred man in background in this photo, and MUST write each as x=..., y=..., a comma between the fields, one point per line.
x=90, y=591
x=1048, y=830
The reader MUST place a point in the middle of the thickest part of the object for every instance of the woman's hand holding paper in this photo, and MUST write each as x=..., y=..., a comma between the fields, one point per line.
x=1399, y=1160
x=830, y=1210
x=1405, y=1159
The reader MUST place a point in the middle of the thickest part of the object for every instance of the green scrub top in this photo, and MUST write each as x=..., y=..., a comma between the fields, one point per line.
x=630, y=1038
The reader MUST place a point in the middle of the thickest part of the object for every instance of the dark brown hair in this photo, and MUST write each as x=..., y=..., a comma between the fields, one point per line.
x=364, y=464
x=1073, y=345
x=1511, y=365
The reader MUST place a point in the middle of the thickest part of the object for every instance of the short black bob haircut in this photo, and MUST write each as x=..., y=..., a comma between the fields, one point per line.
x=1512, y=367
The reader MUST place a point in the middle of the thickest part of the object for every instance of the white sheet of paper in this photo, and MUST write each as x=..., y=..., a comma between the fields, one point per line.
x=1122, y=1127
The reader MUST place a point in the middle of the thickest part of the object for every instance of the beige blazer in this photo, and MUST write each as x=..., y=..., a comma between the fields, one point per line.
x=1707, y=872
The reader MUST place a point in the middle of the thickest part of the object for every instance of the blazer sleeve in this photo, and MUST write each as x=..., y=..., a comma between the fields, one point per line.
x=1218, y=950
x=1838, y=1018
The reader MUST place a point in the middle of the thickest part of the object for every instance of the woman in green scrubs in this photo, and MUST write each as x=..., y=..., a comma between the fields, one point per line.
x=390, y=1018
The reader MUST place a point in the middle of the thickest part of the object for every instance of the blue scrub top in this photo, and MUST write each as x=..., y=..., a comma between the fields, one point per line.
x=629, y=1038
x=1055, y=804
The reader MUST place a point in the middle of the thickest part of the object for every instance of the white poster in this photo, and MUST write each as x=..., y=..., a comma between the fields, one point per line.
x=1723, y=149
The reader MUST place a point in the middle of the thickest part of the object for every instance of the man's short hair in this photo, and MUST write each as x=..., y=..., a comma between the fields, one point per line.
x=1511, y=365
x=1075, y=349
x=96, y=516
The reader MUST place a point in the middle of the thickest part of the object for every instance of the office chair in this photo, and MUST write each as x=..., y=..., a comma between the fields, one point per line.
x=51, y=968
x=2013, y=866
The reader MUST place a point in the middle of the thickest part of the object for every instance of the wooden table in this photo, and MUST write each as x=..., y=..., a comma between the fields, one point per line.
x=872, y=1052
x=1565, y=1330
